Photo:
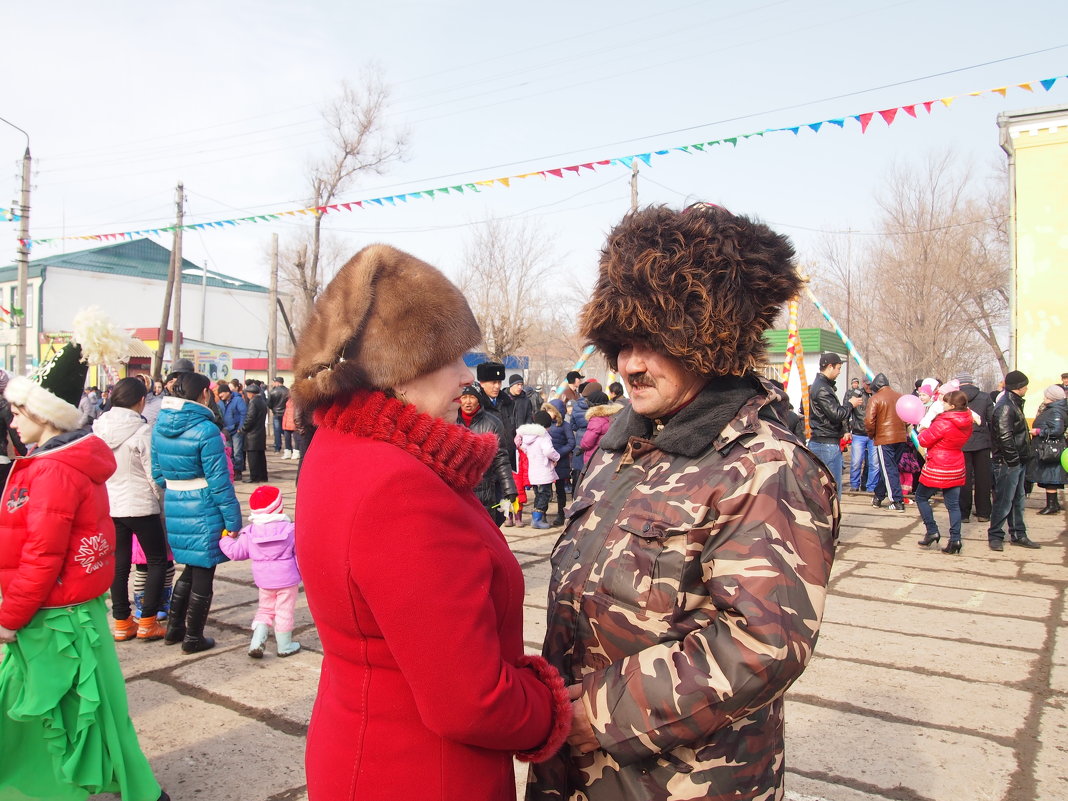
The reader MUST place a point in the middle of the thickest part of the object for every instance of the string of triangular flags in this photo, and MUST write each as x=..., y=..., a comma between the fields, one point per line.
x=864, y=119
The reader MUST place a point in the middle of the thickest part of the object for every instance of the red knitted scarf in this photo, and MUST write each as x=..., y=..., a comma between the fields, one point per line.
x=460, y=456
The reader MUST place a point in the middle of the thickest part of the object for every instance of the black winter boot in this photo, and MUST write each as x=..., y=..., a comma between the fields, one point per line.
x=1052, y=506
x=195, y=641
x=176, y=614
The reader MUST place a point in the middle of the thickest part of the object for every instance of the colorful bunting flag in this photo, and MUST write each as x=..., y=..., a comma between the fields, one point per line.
x=888, y=115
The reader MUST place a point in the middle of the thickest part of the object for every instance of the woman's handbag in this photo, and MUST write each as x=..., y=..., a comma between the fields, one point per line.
x=1048, y=449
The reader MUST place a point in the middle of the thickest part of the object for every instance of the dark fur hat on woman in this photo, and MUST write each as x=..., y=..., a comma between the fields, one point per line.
x=386, y=318
x=701, y=285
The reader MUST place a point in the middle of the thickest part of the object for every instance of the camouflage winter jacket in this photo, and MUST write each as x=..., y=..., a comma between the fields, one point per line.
x=686, y=596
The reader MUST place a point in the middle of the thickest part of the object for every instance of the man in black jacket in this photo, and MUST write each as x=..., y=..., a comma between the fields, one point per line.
x=522, y=410
x=827, y=417
x=490, y=379
x=1011, y=451
x=497, y=484
x=863, y=468
x=255, y=428
x=976, y=453
x=276, y=402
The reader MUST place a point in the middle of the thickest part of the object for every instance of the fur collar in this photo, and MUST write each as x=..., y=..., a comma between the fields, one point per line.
x=604, y=410
x=695, y=428
x=459, y=456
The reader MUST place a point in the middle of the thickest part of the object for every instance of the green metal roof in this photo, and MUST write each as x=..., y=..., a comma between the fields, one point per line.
x=813, y=340
x=139, y=258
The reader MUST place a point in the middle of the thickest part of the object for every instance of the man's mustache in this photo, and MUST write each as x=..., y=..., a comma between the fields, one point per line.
x=640, y=380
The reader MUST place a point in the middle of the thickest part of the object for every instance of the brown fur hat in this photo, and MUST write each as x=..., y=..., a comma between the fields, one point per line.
x=701, y=285
x=386, y=318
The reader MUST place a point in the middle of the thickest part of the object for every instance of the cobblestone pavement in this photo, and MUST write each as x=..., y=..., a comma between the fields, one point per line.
x=935, y=677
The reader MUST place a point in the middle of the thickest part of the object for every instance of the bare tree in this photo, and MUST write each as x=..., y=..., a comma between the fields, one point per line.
x=928, y=296
x=361, y=142
x=504, y=272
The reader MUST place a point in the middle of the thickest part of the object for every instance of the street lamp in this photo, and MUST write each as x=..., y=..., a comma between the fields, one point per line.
x=23, y=256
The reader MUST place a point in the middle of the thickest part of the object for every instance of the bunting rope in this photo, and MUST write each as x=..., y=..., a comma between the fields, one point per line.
x=864, y=119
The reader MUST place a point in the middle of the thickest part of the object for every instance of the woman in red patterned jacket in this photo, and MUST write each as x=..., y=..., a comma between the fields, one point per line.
x=65, y=731
x=944, y=468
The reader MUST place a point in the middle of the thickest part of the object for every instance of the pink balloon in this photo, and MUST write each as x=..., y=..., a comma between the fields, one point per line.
x=909, y=408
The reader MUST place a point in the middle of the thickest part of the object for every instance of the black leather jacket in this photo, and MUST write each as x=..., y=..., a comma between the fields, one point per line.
x=856, y=416
x=1009, y=433
x=498, y=483
x=827, y=417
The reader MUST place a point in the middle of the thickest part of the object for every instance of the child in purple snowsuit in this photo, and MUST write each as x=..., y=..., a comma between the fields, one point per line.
x=268, y=541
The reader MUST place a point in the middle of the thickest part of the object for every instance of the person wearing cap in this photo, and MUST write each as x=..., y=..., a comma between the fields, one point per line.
x=522, y=406
x=496, y=491
x=861, y=449
x=571, y=390
x=255, y=433
x=65, y=729
x=688, y=585
x=268, y=540
x=177, y=368
x=828, y=417
x=489, y=382
x=233, y=408
x=1010, y=452
x=416, y=596
x=887, y=430
x=277, y=401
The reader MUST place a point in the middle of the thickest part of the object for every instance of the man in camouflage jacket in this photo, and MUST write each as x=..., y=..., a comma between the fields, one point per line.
x=688, y=587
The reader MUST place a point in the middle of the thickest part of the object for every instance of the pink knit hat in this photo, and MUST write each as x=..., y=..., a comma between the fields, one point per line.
x=266, y=500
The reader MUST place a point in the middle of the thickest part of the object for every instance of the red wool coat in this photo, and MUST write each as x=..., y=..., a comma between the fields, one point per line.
x=944, y=441
x=425, y=691
x=57, y=541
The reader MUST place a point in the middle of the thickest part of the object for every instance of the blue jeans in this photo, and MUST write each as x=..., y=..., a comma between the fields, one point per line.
x=543, y=493
x=861, y=452
x=951, y=495
x=831, y=455
x=886, y=467
x=1008, y=503
x=237, y=441
x=277, y=433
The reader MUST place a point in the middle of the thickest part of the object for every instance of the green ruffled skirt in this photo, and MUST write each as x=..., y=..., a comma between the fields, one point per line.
x=65, y=728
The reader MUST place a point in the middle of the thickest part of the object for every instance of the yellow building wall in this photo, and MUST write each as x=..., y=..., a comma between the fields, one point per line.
x=1041, y=258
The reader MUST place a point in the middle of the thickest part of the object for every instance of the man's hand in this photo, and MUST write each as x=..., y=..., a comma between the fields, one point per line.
x=6, y=635
x=855, y=402
x=582, y=738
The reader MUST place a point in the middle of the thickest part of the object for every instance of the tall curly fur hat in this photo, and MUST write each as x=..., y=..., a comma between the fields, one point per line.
x=52, y=393
x=386, y=318
x=701, y=285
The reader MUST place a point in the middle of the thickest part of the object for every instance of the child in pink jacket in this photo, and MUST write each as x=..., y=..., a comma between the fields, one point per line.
x=268, y=541
x=534, y=440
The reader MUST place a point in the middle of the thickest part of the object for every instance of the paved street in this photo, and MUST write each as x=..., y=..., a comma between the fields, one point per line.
x=935, y=677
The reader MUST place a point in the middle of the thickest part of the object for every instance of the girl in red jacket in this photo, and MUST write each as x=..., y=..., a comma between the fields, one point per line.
x=425, y=690
x=944, y=468
x=65, y=731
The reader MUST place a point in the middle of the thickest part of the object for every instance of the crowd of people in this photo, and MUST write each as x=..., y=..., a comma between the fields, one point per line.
x=976, y=448
x=688, y=582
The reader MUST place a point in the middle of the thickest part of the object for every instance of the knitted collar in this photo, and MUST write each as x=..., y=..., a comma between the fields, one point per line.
x=459, y=456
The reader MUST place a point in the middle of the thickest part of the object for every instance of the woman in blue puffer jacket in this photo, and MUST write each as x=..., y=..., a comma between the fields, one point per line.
x=188, y=459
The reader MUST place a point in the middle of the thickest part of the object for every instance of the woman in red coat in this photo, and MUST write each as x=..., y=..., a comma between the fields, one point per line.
x=944, y=468
x=65, y=731
x=425, y=689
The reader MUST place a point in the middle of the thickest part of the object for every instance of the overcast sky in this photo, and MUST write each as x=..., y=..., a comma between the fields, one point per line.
x=124, y=99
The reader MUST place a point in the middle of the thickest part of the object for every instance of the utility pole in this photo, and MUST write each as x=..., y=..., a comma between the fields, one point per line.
x=203, y=300
x=23, y=263
x=176, y=341
x=272, y=314
x=849, y=297
x=634, y=185
x=157, y=360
